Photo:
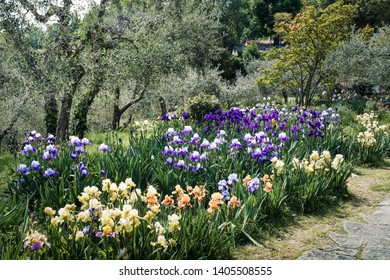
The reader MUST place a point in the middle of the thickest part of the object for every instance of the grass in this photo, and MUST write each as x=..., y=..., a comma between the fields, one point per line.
x=303, y=233
x=7, y=166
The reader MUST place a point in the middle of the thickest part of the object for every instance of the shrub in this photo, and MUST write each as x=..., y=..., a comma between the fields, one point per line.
x=201, y=105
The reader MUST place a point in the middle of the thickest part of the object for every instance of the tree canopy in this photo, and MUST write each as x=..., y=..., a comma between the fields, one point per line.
x=310, y=36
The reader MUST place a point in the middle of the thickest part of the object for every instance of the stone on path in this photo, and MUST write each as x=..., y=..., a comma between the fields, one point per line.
x=367, y=241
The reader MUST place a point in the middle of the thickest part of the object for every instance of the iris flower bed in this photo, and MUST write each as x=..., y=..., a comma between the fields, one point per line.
x=196, y=189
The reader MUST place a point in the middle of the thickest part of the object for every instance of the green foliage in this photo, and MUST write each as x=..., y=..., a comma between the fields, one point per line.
x=201, y=105
x=311, y=35
x=251, y=52
x=363, y=62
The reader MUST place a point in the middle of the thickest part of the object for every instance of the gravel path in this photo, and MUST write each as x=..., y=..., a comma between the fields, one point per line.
x=363, y=241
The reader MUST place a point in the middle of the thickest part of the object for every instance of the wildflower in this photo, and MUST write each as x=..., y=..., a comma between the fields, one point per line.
x=235, y=144
x=199, y=193
x=56, y=221
x=338, y=159
x=50, y=152
x=253, y=185
x=35, y=240
x=180, y=164
x=149, y=216
x=161, y=241
x=314, y=156
x=215, y=202
x=283, y=137
x=171, y=131
x=50, y=173
x=194, y=156
x=22, y=168
x=160, y=230
x=173, y=222
x=265, y=178
x=183, y=151
x=222, y=185
x=129, y=221
x=268, y=187
x=67, y=213
x=194, y=139
x=29, y=149
x=79, y=235
x=184, y=201
x=326, y=156
x=164, y=117
x=205, y=143
x=234, y=202
x=84, y=216
x=74, y=141
x=49, y=211
x=232, y=178
x=187, y=129
x=279, y=165
x=106, y=184
x=169, y=161
x=107, y=231
x=50, y=139
x=167, y=200
x=185, y=115
x=222, y=134
x=246, y=180
x=177, y=140
x=104, y=148
x=129, y=183
x=85, y=142
x=35, y=165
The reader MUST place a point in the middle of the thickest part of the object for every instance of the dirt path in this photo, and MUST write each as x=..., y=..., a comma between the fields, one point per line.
x=369, y=187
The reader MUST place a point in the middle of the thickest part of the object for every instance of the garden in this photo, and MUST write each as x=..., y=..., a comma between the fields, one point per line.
x=181, y=189
x=160, y=130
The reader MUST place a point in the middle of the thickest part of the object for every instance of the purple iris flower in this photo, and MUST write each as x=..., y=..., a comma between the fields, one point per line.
x=232, y=178
x=194, y=156
x=46, y=155
x=104, y=148
x=222, y=185
x=194, y=140
x=187, y=129
x=169, y=161
x=75, y=141
x=180, y=164
x=236, y=144
x=85, y=142
x=222, y=133
x=183, y=151
x=51, y=150
x=205, y=143
x=84, y=173
x=253, y=185
x=35, y=165
x=203, y=157
x=50, y=139
x=73, y=155
x=177, y=140
x=79, y=150
x=164, y=117
x=185, y=115
x=29, y=149
x=283, y=137
x=22, y=168
x=103, y=172
x=49, y=173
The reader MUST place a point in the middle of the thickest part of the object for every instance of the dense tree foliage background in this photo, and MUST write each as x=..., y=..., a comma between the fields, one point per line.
x=67, y=69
